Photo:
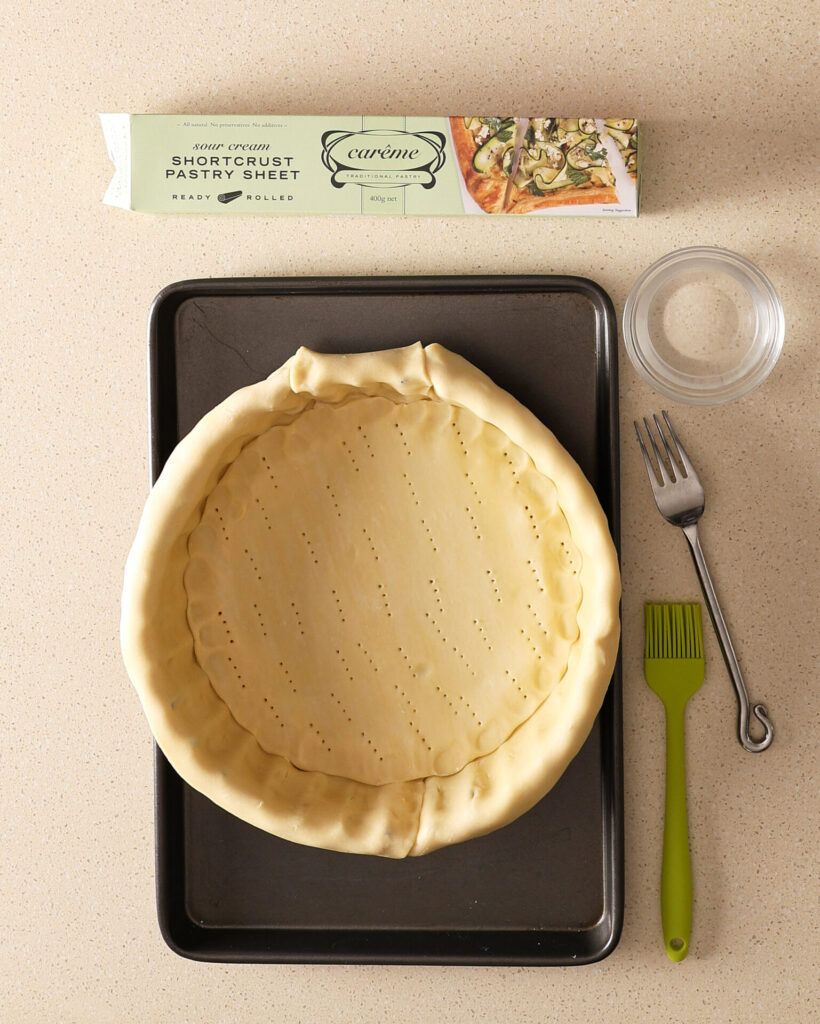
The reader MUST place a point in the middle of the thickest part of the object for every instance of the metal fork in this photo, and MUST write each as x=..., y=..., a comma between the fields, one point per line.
x=680, y=500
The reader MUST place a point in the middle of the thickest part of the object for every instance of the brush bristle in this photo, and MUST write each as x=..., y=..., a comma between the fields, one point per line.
x=673, y=631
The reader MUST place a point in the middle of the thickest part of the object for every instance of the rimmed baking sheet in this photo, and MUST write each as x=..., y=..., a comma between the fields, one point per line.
x=547, y=889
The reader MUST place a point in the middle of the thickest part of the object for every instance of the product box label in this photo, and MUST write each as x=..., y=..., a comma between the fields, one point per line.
x=433, y=166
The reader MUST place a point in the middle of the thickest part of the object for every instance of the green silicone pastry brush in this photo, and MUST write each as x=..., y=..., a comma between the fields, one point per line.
x=673, y=667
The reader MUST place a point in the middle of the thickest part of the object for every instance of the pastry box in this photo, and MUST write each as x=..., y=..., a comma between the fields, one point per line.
x=433, y=166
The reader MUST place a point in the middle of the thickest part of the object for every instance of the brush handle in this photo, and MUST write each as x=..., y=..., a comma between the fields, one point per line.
x=676, y=873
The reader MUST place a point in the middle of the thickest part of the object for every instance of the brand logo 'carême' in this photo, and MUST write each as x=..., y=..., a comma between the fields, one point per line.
x=383, y=158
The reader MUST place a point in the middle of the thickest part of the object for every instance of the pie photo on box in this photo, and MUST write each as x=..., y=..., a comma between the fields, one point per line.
x=564, y=161
x=372, y=605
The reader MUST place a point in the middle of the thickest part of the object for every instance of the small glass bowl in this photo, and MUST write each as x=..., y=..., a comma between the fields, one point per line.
x=703, y=325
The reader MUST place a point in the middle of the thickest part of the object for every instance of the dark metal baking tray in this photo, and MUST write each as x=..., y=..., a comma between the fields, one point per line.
x=545, y=890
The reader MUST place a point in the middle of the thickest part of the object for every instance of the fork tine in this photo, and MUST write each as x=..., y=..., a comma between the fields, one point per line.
x=675, y=468
x=663, y=470
x=689, y=469
x=650, y=469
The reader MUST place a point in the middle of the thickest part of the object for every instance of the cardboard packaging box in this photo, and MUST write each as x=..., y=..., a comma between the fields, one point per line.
x=428, y=166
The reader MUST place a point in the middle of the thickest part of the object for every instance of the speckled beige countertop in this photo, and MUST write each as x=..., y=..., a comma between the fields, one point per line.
x=724, y=91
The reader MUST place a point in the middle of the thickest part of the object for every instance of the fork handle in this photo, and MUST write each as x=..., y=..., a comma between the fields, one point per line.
x=729, y=656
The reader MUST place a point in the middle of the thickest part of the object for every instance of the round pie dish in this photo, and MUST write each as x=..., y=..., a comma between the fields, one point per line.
x=372, y=605
x=703, y=325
